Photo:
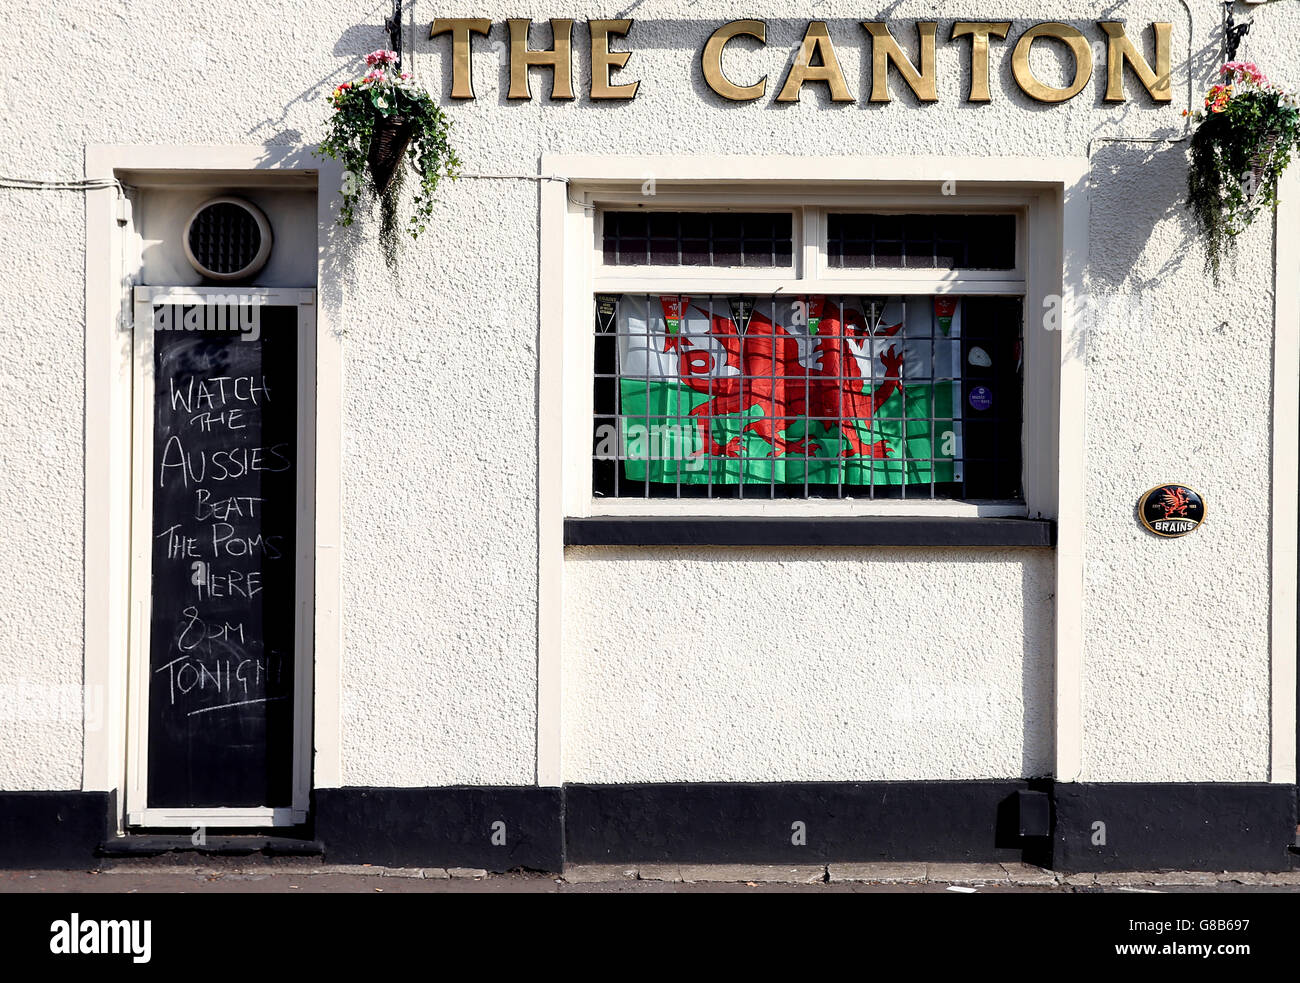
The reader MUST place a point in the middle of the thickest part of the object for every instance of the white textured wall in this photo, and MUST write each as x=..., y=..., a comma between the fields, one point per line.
x=439, y=605
x=1176, y=674
x=1176, y=677
x=806, y=665
x=40, y=499
x=439, y=505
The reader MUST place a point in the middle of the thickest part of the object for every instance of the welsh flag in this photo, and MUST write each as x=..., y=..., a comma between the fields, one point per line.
x=854, y=390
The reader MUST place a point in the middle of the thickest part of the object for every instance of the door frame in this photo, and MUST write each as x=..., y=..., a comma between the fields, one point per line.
x=1284, y=749
x=1284, y=743
x=138, y=813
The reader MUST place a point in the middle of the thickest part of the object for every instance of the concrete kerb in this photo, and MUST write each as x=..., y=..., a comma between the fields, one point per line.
x=884, y=873
x=1010, y=875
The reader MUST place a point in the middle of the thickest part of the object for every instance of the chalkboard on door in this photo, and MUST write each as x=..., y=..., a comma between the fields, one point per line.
x=225, y=490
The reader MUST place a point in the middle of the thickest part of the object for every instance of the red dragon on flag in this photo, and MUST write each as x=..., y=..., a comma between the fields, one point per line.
x=788, y=376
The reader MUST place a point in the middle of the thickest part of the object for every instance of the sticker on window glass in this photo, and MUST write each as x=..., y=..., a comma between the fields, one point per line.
x=944, y=309
x=980, y=398
x=606, y=310
x=815, y=307
x=742, y=309
x=673, y=307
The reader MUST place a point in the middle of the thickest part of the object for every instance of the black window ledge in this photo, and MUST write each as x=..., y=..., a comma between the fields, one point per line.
x=812, y=531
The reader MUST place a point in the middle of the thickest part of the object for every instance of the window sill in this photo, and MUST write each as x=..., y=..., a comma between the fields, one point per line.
x=811, y=531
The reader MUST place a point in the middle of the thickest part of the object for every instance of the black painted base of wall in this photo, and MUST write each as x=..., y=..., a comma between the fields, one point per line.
x=793, y=822
x=1067, y=827
x=53, y=830
x=1173, y=827
x=490, y=828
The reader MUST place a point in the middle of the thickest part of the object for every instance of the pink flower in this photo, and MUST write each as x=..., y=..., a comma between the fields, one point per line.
x=1243, y=70
x=381, y=57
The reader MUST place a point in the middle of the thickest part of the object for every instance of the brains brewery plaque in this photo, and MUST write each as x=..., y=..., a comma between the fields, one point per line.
x=1171, y=510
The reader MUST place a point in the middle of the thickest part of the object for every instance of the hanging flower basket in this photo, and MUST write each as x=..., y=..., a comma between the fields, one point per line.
x=1244, y=139
x=379, y=121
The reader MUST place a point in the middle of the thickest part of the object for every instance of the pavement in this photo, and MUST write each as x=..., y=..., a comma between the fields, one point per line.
x=189, y=874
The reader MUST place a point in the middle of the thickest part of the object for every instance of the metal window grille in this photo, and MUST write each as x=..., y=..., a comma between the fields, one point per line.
x=932, y=242
x=762, y=396
x=732, y=239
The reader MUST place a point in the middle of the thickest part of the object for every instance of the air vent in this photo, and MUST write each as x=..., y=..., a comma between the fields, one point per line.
x=227, y=239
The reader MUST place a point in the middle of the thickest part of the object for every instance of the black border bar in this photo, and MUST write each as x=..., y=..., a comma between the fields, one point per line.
x=1065, y=826
x=811, y=531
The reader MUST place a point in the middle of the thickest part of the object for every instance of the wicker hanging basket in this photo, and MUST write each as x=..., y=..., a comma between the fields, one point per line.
x=1259, y=163
x=387, y=146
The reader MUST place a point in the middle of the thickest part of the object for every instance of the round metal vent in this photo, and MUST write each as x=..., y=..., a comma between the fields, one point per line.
x=227, y=239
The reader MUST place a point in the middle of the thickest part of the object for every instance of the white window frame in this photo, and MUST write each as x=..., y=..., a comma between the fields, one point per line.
x=142, y=542
x=587, y=202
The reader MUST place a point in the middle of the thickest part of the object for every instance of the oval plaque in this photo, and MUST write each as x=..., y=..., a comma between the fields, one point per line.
x=1171, y=510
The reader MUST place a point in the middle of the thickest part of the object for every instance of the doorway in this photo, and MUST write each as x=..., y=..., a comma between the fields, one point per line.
x=219, y=728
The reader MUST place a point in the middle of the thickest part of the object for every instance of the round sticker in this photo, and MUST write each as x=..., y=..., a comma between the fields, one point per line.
x=980, y=398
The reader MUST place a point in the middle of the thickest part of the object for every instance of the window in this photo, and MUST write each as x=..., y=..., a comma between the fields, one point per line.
x=817, y=384
x=931, y=242
x=698, y=239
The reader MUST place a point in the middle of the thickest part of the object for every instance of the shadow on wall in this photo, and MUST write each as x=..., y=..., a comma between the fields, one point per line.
x=1146, y=170
x=1038, y=673
x=352, y=45
x=1148, y=176
x=1151, y=181
x=1143, y=238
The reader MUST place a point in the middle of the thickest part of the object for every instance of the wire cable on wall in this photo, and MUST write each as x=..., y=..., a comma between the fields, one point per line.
x=39, y=184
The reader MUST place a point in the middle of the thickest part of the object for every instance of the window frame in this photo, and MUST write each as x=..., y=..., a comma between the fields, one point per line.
x=810, y=254
x=1052, y=192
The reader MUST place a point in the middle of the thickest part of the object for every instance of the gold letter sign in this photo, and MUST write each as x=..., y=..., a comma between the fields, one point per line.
x=979, y=53
x=462, y=77
x=558, y=59
x=816, y=61
x=711, y=61
x=816, y=44
x=1122, y=50
x=602, y=60
x=1025, y=77
x=885, y=49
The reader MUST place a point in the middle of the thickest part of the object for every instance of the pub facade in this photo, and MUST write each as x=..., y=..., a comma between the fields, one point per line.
x=708, y=435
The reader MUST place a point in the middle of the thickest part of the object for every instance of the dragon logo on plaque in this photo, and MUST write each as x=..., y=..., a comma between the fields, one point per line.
x=1171, y=511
